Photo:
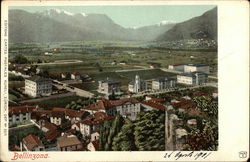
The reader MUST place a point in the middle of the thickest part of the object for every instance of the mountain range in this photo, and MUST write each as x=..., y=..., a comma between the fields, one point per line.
x=56, y=25
x=204, y=26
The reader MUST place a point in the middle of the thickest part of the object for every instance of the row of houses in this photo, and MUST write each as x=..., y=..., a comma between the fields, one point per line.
x=109, y=86
x=137, y=85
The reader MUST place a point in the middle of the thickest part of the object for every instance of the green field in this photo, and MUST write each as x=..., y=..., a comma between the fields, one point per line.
x=96, y=58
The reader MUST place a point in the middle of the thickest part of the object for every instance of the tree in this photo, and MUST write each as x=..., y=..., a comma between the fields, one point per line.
x=104, y=132
x=20, y=59
x=149, y=131
x=208, y=105
x=124, y=140
x=206, y=139
x=109, y=131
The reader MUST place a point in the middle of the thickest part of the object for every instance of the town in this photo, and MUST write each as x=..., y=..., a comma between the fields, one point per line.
x=186, y=103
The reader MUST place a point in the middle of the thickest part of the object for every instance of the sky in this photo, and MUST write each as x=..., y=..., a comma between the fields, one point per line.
x=133, y=16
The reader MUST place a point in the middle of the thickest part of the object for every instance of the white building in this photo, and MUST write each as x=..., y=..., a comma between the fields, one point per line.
x=163, y=83
x=177, y=67
x=20, y=114
x=109, y=87
x=137, y=85
x=76, y=76
x=196, y=68
x=194, y=78
x=36, y=86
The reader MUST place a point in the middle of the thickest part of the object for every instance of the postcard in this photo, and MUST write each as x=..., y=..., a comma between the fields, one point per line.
x=124, y=81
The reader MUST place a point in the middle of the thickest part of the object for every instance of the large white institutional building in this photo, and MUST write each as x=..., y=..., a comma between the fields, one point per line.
x=163, y=83
x=137, y=85
x=196, y=67
x=36, y=86
x=193, y=78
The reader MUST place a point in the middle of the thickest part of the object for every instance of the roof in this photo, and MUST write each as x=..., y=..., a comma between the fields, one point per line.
x=178, y=64
x=184, y=104
x=159, y=100
x=14, y=110
x=32, y=141
x=40, y=114
x=75, y=73
x=96, y=118
x=192, y=74
x=49, y=126
x=74, y=113
x=58, y=114
x=38, y=79
x=163, y=79
x=197, y=65
x=105, y=104
x=154, y=105
x=123, y=101
x=68, y=141
x=53, y=134
x=109, y=81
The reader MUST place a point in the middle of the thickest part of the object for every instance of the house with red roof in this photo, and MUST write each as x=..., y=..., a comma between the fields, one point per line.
x=150, y=105
x=18, y=114
x=32, y=143
x=93, y=123
x=126, y=107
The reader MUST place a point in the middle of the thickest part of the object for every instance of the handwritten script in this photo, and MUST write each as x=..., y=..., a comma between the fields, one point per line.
x=178, y=155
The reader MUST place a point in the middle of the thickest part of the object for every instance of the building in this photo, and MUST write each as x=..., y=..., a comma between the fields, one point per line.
x=163, y=83
x=57, y=117
x=95, y=136
x=93, y=145
x=196, y=68
x=92, y=123
x=193, y=78
x=109, y=87
x=48, y=53
x=20, y=114
x=69, y=143
x=137, y=85
x=126, y=107
x=36, y=86
x=75, y=76
x=177, y=67
x=32, y=143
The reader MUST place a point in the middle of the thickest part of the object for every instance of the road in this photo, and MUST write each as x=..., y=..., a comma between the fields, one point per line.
x=79, y=92
x=59, y=62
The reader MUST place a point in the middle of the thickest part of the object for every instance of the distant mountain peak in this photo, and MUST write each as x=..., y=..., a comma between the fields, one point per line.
x=84, y=14
x=55, y=11
x=166, y=22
